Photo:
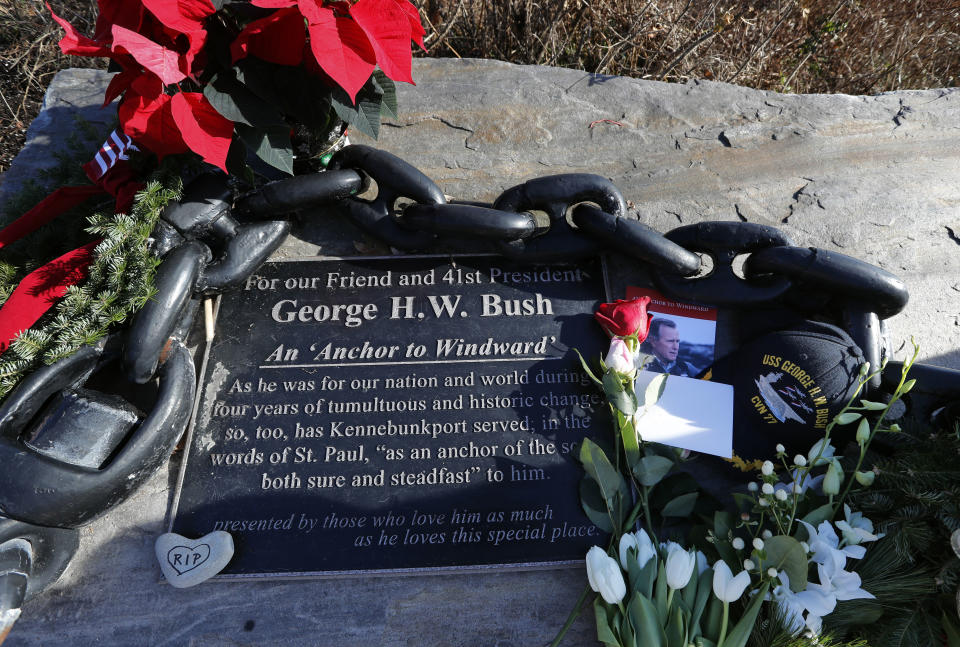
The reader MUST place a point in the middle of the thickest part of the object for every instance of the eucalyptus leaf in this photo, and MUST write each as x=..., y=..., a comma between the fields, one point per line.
x=740, y=633
x=818, y=515
x=621, y=398
x=646, y=622
x=591, y=500
x=847, y=417
x=873, y=406
x=786, y=554
x=680, y=506
x=272, y=145
x=651, y=469
x=654, y=390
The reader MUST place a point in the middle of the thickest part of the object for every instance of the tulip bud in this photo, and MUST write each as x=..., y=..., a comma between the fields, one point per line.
x=864, y=368
x=865, y=478
x=605, y=576
x=833, y=478
x=619, y=358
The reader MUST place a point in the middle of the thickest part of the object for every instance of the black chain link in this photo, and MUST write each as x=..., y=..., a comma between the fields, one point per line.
x=77, y=465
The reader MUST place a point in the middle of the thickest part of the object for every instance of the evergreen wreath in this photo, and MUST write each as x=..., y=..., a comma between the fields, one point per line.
x=120, y=279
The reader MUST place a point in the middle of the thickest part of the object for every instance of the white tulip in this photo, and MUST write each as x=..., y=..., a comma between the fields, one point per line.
x=680, y=565
x=640, y=542
x=726, y=587
x=605, y=576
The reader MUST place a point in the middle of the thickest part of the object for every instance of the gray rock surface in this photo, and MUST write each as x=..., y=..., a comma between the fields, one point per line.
x=874, y=177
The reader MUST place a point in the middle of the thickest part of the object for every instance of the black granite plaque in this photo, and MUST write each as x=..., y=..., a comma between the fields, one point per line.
x=397, y=413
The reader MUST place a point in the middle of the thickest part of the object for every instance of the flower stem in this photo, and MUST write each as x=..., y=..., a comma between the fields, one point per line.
x=723, y=625
x=577, y=608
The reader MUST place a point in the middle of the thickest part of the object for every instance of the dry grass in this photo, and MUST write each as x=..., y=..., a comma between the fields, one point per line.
x=784, y=45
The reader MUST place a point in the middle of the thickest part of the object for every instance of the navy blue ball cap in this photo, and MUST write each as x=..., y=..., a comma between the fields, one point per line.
x=787, y=386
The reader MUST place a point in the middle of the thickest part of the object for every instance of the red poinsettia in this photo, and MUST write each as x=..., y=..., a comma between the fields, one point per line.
x=161, y=49
x=346, y=40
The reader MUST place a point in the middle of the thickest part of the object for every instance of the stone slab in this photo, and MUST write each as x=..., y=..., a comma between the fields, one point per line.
x=873, y=177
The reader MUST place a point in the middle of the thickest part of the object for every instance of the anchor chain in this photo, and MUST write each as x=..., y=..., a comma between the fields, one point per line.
x=69, y=454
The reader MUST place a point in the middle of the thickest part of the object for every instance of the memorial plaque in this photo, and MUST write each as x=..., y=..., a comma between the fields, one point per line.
x=371, y=414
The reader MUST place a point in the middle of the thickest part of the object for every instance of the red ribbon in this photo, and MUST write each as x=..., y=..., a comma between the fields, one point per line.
x=40, y=289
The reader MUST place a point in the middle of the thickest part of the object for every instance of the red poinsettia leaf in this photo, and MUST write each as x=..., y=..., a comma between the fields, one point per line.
x=196, y=39
x=73, y=42
x=417, y=31
x=145, y=115
x=274, y=4
x=182, y=15
x=315, y=11
x=161, y=61
x=206, y=131
x=117, y=12
x=120, y=82
x=278, y=38
x=388, y=28
x=342, y=49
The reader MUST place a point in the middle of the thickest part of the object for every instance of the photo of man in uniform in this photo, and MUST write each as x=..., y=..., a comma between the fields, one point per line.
x=663, y=343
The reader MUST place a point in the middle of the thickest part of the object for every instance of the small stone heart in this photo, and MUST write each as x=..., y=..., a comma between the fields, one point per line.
x=186, y=562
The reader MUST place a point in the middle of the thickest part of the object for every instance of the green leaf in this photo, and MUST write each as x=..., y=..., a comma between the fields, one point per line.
x=654, y=390
x=641, y=579
x=651, y=469
x=818, y=515
x=587, y=370
x=741, y=631
x=681, y=506
x=786, y=554
x=389, y=91
x=953, y=634
x=908, y=386
x=612, y=486
x=235, y=102
x=660, y=590
x=604, y=633
x=621, y=398
x=847, y=417
x=272, y=145
x=364, y=115
x=873, y=406
x=646, y=622
x=674, y=631
x=631, y=444
x=591, y=499
x=699, y=604
x=714, y=620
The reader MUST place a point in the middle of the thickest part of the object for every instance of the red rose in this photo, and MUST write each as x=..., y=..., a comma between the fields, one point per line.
x=625, y=318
